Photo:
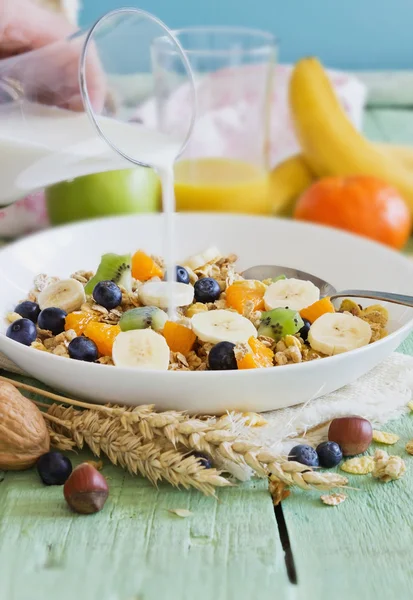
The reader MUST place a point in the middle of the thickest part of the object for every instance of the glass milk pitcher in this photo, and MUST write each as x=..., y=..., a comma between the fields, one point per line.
x=69, y=108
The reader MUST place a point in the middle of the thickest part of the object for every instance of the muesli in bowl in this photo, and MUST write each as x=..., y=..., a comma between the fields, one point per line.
x=118, y=316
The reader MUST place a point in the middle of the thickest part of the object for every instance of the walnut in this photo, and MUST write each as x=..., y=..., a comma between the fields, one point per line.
x=23, y=433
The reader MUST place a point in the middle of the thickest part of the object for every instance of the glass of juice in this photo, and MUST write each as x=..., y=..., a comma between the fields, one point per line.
x=225, y=165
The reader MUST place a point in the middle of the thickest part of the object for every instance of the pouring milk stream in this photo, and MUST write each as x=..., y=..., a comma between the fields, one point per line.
x=50, y=145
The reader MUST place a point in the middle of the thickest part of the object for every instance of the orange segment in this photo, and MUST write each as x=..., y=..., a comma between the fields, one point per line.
x=103, y=335
x=144, y=267
x=312, y=312
x=78, y=321
x=241, y=292
x=178, y=337
x=260, y=356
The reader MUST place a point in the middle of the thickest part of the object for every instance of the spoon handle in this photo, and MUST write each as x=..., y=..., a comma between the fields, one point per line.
x=384, y=296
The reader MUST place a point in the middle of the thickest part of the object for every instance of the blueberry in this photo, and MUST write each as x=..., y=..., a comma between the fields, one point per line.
x=52, y=319
x=304, y=330
x=203, y=459
x=329, y=454
x=107, y=294
x=207, y=290
x=28, y=310
x=54, y=468
x=23, y=331
x=222, y=358
x=306, y=455
x=83, y=348
x=182, y=275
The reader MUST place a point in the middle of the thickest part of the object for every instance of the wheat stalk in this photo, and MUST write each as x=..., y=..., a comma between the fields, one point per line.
x=154, y=460
x=157, y=447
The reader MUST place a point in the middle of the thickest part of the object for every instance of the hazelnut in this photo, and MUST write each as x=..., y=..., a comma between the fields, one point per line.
x=86, y=490
x=353, y=434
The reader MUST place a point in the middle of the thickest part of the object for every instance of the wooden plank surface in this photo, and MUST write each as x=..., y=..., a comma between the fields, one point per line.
x=135, y=549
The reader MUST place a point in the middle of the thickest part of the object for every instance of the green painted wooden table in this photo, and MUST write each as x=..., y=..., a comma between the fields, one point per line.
x=233, y=548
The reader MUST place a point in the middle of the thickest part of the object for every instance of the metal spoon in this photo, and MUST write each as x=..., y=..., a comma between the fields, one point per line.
x=262, y=272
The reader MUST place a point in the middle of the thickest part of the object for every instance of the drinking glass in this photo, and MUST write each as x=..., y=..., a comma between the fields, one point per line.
x=71, y=108
x=225, y=165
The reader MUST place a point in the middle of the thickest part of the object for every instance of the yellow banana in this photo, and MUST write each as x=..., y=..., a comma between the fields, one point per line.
x=288, y=180
x=330, y=143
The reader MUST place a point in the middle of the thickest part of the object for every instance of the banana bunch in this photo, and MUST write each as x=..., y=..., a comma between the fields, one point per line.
x=330, y=143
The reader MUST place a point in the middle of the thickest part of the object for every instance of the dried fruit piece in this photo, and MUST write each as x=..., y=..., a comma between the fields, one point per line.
x=178, y=337
x=144, y=267
x=383, y=437
x=259, y=356
x=333, y=499
x=359, y=465
x=247, y=293
x=409, y=447
x=388, y=468
x=103, y=335
x=312, y=312
x=78, y=321
x=23, y=432
x=350, y=306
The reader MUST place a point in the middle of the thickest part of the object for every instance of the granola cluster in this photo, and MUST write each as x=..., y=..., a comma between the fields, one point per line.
x=291, y=349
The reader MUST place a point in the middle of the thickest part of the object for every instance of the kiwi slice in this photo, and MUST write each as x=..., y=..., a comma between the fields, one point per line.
x=113, y=267
x=279, y=322
x=143, y=317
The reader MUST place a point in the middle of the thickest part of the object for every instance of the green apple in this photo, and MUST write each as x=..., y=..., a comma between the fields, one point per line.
x=102, y=194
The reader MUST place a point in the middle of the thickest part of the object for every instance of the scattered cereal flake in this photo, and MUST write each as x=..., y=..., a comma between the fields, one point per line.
x=181, y=512
x=97, y=464
x=388, y=468
x=409, y=447
x=333, y=499
x=383, y=437
x=278, y=492
x=359, y=465
x=410, y=405
x=253, y=419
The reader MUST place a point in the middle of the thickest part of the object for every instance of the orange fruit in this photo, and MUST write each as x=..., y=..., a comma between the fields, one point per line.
x=315, y=310
x=361, y=204
x=258, y=358
x=178, y=337
x=144, y=267
x=77, y=321
x=103, y=335
x=241, y=292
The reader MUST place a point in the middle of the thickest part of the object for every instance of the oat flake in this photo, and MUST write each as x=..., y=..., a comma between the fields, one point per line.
x=333, y=499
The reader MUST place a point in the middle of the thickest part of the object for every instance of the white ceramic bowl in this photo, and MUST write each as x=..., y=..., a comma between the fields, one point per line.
x=343, y=260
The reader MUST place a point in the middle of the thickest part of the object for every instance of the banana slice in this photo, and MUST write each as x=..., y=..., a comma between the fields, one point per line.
x=222, y=326
x=200, y=260
x=291, y=293
x=67, y=294
x=334, y=333
x=155, y=293
x=141, y=349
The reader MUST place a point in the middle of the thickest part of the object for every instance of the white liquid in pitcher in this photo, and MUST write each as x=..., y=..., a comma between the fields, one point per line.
x=41, y=145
